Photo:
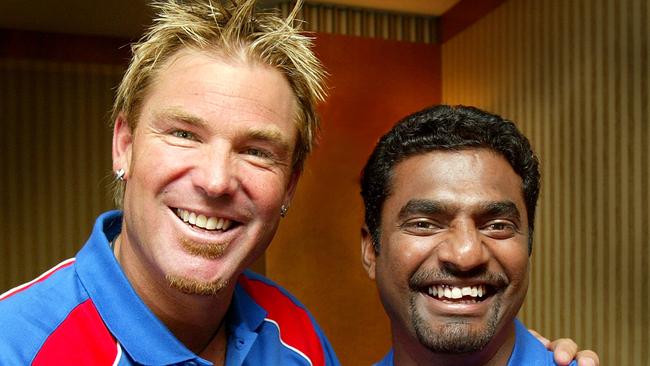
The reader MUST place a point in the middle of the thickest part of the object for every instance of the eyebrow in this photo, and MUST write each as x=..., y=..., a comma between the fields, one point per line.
x=178, y=114
x=423, y=207
x=270, y=135
x=427, y=207
x=505, y=208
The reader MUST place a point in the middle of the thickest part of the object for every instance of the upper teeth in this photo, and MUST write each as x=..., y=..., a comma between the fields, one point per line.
x=202, y=221
x=453, y=292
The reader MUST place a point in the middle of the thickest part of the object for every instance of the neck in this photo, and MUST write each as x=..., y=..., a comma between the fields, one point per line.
x=409, y=352
x=197, y=321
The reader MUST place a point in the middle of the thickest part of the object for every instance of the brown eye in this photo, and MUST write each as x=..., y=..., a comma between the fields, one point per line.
x=499, y=230
x=420, y=227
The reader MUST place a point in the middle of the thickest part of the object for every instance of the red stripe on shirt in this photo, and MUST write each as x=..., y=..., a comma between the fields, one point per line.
x=296, y=328
x=81, y=339
x=41, y=278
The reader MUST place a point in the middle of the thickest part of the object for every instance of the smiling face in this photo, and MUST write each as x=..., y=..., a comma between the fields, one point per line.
x=452, y=271
x=208, y=168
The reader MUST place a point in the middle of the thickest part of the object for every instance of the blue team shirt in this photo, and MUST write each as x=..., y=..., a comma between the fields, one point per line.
x=84, y=311
x=528, y=351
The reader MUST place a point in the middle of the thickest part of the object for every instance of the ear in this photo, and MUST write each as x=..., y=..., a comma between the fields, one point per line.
x=122, y=144
x=368, y=253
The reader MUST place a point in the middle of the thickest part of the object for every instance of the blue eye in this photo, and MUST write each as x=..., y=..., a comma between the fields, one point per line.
x=183, y=134
x=258, y=153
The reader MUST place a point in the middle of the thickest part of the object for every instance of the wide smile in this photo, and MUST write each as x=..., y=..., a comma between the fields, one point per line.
x=460, y=295
x=470, y=299
x=203, y=222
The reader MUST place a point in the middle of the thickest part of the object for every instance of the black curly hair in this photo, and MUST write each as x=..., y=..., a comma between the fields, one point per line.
x=451, y=128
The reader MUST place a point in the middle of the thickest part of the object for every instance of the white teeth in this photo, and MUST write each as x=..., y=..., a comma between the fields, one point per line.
x=453, y=292
x=202, y=221
x=212, y=223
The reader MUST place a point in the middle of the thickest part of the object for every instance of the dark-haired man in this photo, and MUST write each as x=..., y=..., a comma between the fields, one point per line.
x=450, y=196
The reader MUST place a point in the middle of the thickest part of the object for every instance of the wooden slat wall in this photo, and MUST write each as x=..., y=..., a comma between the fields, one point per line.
x=55, y=153
x=335, y=19
x=574, y=76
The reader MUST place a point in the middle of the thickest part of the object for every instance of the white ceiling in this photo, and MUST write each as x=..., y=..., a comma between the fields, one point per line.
x=127, y=18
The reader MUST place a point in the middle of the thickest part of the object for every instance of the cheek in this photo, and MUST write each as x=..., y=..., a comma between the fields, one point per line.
x=516, y=264
x=264, y=187
x=154, y=164
x=401, y=256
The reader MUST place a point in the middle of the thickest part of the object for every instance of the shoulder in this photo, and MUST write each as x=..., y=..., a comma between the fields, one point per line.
x=281, y=308
x=286, y=317
x=40, y=299
x=29, y=313
x=528, y=350
x=261, y=288
x=51, y=318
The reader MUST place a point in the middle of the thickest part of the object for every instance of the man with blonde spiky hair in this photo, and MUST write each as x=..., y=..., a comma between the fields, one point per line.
x=212, y=122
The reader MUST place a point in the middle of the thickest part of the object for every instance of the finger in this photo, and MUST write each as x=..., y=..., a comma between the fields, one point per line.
x=564, y=350
x=540, y=338
x=587, y=358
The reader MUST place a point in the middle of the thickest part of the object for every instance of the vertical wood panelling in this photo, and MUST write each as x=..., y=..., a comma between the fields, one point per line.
x=335, y=19
x=56, y=155
x=574, y=76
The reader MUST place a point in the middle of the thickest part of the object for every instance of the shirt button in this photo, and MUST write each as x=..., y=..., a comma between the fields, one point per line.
x=192, y=363
x=239, y=343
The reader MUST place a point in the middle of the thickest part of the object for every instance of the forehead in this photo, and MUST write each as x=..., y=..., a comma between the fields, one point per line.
x=209, y=82
x=464, y=178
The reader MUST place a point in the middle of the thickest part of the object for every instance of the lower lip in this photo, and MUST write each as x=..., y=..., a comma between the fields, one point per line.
x=457, y=309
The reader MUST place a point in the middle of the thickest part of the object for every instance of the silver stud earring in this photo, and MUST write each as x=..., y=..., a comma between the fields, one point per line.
x=283, y=210
x=119, y=174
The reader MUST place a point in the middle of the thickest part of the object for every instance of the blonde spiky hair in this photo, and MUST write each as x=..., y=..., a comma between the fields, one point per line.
x=232, y=28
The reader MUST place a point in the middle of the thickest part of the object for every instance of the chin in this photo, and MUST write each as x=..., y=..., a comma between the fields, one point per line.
x=194, y=286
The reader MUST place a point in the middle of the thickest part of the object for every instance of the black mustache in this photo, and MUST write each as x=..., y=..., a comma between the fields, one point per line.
x=426, y=277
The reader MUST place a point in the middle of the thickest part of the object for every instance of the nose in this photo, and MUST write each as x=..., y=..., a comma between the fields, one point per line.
x=216, y=172
x=463, y=249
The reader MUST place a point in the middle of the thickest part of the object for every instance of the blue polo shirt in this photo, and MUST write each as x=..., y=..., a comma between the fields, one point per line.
x=528, y=351
x=84, y=311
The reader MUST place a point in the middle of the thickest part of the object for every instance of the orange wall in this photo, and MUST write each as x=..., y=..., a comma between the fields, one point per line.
x=373, y=83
